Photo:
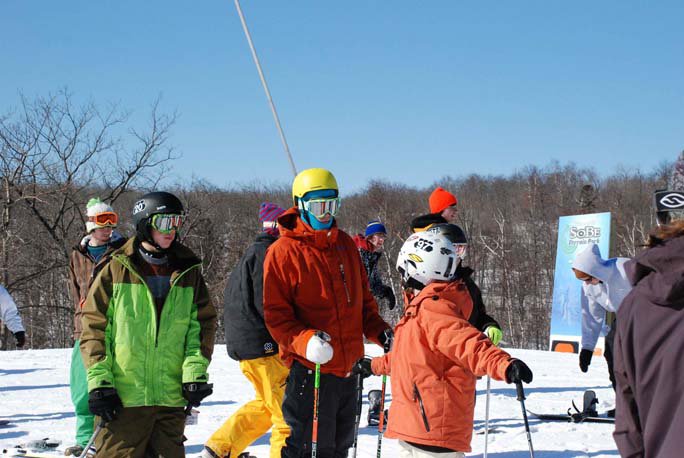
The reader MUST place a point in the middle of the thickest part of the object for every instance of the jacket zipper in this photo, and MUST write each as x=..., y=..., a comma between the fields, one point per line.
x=416, y=396
x=344, y=281
x=124, y=261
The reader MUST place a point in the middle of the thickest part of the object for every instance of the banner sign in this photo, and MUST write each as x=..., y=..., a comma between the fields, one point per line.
x=669, y=201
x=575, y=233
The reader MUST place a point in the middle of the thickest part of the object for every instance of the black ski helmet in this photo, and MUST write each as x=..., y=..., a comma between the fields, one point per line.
x=451, y=231
x=151, y=204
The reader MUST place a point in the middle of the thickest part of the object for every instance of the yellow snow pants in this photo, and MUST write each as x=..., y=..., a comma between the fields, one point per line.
x=254, y=419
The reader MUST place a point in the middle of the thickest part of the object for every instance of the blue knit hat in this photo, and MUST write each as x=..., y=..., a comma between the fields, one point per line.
x=375, y=227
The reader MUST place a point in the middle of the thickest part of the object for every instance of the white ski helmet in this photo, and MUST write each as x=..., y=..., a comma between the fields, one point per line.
x=426, y=257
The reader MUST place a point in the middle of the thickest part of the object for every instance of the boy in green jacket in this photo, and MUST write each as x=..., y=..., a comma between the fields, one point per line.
x=148, y=335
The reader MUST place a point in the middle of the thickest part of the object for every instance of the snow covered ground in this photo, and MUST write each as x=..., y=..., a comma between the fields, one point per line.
x=34, y=396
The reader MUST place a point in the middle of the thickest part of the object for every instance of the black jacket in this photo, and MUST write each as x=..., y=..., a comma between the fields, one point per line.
x=479, y=317
x=243, y=308
x=422, y=222
x=370, y=262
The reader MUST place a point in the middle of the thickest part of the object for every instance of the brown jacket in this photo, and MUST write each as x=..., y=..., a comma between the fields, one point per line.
x=314, y=280
x=81, y=266
x=436, y=358
x=649, y=356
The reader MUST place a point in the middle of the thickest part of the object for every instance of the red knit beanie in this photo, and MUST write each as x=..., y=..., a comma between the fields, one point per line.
x=441, y=199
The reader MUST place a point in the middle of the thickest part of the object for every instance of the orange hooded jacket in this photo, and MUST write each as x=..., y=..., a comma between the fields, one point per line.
x=434, y=362
x=314, y=280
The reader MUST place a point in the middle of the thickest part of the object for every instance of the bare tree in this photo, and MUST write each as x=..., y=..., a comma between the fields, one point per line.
x=54, y=154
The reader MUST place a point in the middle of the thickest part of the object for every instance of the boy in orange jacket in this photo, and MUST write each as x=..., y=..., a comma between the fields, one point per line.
x=433, y=384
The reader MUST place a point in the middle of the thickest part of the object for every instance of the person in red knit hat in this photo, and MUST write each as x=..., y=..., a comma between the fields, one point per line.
x=442, y=211
x=443, y=203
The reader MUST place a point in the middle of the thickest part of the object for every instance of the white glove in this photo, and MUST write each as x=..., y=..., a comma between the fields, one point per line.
x=318, y=350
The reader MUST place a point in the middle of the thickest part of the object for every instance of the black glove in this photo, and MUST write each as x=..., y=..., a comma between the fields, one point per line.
x=21, y=338
x=585, y=359
x=105, y=403
x=195, y=392
x=388, y=294
x=386, y=338
x=517, y=372
x=363, y=367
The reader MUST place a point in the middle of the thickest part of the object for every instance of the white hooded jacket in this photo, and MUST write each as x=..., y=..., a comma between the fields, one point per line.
x=606, y=296
x=9, y=313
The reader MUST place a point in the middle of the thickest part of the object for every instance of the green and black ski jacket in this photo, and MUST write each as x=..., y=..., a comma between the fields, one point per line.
x=125, y=344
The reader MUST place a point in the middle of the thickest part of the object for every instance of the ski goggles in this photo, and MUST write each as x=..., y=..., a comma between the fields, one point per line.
x=321, y=207
x=166, y=223
x=105, y=219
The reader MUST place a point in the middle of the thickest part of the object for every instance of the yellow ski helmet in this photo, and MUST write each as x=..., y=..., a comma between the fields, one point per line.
x=312, y=180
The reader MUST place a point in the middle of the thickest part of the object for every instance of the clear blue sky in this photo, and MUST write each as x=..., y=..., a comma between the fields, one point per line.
x=401, y=90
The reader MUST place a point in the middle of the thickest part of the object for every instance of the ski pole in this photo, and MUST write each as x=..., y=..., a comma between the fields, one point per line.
x=489, y=389
x=381, y=423
x=359, y=401
x=314, y=428
x=90, y=443
x=266, y=90
x=521, y=398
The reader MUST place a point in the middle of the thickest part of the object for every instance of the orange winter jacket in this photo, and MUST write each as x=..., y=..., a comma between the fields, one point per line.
x=436, y=358
x=314, y=280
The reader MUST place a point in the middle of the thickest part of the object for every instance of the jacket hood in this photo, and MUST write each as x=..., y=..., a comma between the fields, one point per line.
x=362, y=243
x=115, y=242
x=590, y=262
x=180, y=256
x=292, y=226
x=610, y=271
x=441, y=297
x=423, y=222
x=658, y=273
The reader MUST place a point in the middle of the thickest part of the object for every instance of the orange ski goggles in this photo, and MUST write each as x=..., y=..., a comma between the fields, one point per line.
x=106, y=219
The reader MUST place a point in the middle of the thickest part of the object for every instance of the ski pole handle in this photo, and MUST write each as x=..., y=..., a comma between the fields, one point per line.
x=520, y=391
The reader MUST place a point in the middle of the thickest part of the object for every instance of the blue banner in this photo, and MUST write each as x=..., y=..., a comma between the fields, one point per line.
x=574, y=234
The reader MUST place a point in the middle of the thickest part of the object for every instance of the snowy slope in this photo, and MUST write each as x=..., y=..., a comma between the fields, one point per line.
x=34, y=395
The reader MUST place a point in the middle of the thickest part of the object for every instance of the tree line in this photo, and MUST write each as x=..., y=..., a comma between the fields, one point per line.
x=56, y=154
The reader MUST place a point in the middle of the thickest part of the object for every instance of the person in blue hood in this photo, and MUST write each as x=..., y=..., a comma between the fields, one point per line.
x=604, y=286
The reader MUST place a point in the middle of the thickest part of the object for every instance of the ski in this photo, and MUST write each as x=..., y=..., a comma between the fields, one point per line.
x=18, y=452
x=35, y=448
x=588, y=414
x=571, y=418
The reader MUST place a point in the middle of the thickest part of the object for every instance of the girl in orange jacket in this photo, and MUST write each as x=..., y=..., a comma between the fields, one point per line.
x=437, y=355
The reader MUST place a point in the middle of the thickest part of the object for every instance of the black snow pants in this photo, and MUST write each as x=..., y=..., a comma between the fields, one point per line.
x=336, y=413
